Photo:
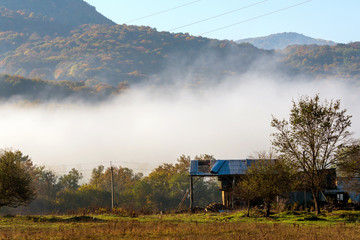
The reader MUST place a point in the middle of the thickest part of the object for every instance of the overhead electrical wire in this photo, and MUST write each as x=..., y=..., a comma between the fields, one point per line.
x=257, y=17
x=89, y=170
x=105, y=163
x=219, y=15
x=142, y=168
x=164, y=11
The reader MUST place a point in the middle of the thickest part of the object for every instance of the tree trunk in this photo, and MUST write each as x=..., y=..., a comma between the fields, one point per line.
x=315, y=194
x=267, y=211
x=248, y=208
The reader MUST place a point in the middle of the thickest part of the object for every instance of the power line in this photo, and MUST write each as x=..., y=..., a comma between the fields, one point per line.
x=148, y=163
x=89, y=170
x=79, y=170
x=164, y=11
x=216, y=16
x=74, y=165
x=140, y=168
x=97, y=163
x=257, y=17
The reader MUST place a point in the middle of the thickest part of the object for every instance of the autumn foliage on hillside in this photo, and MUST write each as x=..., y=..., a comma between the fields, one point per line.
x=114, y=54
x=342, y=60
x=69, y=41
x=67, y=13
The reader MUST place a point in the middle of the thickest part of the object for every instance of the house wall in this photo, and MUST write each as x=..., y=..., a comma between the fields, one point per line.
x=300, y=197
x=227, y=199
x=354, y=197
x=349, y=186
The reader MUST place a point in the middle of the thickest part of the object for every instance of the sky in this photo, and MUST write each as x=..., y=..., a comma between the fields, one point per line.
x=326, y=19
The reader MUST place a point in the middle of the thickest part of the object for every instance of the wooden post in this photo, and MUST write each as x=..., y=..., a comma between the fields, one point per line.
x=191, y=194
x=182, y=201
x=112, y=187
x=232, y=194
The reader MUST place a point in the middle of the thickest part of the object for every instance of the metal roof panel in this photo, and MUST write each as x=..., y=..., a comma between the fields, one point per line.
x=222, y=167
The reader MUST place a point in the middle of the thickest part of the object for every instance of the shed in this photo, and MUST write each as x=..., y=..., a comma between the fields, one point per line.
x=227, y=171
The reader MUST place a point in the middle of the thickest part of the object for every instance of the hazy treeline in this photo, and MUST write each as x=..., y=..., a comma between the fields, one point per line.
x=15, y=87
x=161, y=190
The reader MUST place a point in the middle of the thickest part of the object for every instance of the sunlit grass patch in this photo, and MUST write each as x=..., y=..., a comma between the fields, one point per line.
x=234, y=225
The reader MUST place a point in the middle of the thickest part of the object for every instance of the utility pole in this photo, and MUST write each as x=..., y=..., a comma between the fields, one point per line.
x=112, y=186
x=191, y=194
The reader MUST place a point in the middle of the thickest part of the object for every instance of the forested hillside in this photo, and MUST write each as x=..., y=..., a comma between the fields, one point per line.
x=341, y=61
x=65, y=14
x=115, y=54
x=282, y=40
x=68, y=41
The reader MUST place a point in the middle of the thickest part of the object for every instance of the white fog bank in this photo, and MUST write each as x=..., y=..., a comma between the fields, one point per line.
x=146, y=127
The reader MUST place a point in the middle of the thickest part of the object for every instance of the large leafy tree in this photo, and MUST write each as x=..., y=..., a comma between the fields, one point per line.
x=71, y=180
x=311, y=138
x=269, y=179
x=15, y=180
x=124, y=181
x=164, y=188
x=45, y=183
x=266, y=179
x=349, y=166
x=349, y=159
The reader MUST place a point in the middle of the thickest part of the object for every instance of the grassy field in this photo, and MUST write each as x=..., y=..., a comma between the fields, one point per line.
x=297, y=225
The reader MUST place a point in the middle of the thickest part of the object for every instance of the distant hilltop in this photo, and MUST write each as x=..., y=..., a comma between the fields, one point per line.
x=76, y=51
x=282, y=40
x=48, y=16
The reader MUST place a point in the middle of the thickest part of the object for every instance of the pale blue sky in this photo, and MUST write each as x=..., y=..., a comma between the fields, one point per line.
x=336, y=20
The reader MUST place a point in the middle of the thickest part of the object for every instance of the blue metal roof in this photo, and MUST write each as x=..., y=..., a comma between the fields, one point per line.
x=221, y=167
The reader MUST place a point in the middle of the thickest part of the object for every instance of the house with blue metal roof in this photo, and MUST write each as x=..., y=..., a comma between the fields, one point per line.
x=220, y=167
x=228, y=172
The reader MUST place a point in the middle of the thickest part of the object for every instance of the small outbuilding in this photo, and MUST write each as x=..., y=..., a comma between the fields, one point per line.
x=228, y=172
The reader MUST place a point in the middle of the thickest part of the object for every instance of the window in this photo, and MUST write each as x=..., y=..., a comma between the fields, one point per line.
x=340, y=197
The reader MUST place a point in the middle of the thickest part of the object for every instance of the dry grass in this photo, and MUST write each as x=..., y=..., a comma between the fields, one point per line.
x=169, y=228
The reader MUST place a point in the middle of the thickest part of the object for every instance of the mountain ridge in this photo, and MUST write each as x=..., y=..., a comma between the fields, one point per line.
x=107, y=57
x=280, y=41
x=114, y=54
x=53, y=16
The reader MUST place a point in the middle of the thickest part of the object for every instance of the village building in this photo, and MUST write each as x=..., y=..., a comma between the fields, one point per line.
x=230, y=172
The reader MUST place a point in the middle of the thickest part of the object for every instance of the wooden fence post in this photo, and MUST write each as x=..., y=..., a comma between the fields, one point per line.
x=191, y=194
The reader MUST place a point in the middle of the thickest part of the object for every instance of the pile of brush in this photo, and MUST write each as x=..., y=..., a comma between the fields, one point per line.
x=215, y=207
x=341, y=206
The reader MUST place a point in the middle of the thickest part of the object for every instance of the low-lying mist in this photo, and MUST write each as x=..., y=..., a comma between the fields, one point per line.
x=147, y=126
